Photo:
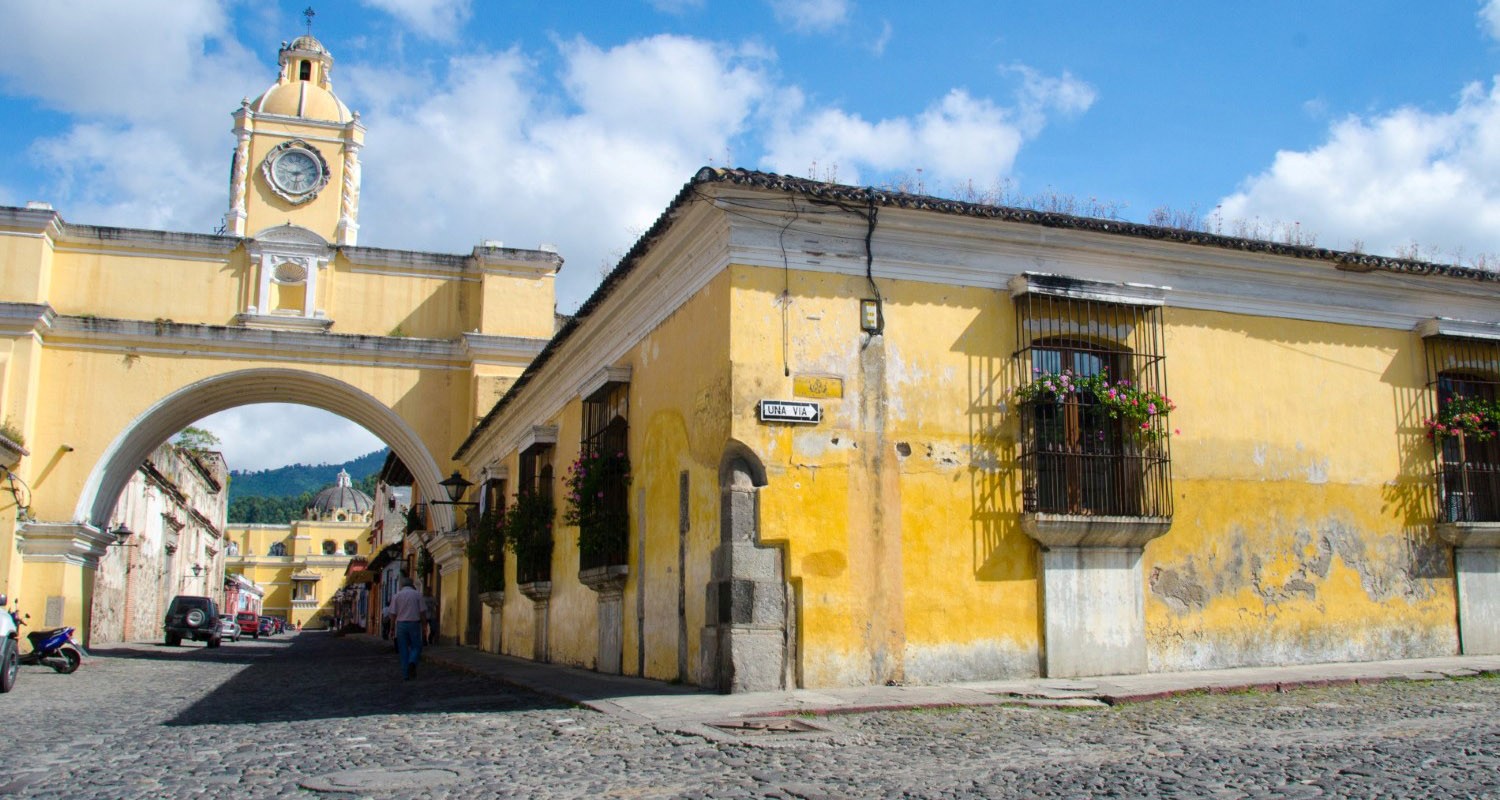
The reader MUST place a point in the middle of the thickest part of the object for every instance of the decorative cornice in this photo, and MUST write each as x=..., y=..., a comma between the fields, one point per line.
x=146, y=243
x=19, y=319
x=604, y=377
x=515, y=261
x=857, y=197
x=1078, y=530
x=447, y=549
x=233, y=341
x=483, y=348
x=537, y=436
x=280, y=322
x=1473, y=535
x=1440, y=326
x=1080, y=289
x=31, y=221
x=74, y=543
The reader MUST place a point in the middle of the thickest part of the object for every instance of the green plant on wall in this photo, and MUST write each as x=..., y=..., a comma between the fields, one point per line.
x=1144, y=411
x=595, y=486
x=486, y=551
x=424, y=563
x=527, y=531
x=11, y=431
x=1472, y=417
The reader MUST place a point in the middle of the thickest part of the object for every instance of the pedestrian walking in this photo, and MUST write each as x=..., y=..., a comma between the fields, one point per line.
x=429, y=611
x=406, y=608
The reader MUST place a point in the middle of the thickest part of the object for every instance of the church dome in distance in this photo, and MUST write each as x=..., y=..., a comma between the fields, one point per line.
x=303, y=88
x=342, y=502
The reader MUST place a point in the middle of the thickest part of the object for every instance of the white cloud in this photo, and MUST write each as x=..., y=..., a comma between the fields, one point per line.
x=1489, y=18
x=1389, y=180
x=151, y=86
x=269, y=435
x=879, y=44
x=435, y=19
x=676, y=6
x=958, y=138
x=582, y=170
x=810, y=16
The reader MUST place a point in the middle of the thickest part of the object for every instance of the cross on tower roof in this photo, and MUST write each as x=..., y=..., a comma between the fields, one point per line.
x=309, y=13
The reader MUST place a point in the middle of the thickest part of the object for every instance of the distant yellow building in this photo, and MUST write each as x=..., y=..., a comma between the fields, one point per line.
x=873, y=437
x=300, y=566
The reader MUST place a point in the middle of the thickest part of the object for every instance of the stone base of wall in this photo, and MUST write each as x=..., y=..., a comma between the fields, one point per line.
x=1478, y=581
x=1094, y=611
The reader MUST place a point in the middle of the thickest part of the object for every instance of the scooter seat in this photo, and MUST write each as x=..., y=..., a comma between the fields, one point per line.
x=41, y=636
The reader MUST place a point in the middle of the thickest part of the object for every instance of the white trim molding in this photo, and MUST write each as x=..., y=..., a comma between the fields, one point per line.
x=74, y=543
x=1134, y=294
x=604, y=377
x=1441, y=326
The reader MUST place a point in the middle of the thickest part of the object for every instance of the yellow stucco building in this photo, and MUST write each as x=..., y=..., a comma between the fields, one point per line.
x=112, y=340
x=880, y=437
x=301, y=565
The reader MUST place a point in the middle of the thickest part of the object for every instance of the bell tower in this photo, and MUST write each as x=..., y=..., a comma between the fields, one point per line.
x=296, y=157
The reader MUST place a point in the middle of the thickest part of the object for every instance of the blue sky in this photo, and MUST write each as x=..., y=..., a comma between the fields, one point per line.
x=1371, y=125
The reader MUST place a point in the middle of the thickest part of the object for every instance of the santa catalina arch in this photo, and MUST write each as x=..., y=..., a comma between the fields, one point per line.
x=111, y=339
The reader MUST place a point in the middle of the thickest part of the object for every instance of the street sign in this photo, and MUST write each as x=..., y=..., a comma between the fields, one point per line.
x=790, y=411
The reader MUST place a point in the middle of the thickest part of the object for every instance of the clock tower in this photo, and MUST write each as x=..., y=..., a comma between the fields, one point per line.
x=296, y=157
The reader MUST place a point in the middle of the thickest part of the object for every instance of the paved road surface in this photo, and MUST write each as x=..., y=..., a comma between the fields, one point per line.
x=264, y=719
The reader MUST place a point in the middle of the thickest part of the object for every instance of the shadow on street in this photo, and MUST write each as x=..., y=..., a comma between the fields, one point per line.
x=315, y=675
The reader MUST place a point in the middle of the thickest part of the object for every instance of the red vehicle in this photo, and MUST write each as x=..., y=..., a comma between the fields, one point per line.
x=249, y=623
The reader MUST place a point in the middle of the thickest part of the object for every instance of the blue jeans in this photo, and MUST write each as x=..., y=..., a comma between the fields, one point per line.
x=408, y=645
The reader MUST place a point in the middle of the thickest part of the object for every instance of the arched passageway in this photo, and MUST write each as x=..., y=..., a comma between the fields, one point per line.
x=246, y=387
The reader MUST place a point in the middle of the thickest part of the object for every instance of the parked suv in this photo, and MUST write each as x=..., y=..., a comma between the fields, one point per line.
x=195, y=618
x=249, y=623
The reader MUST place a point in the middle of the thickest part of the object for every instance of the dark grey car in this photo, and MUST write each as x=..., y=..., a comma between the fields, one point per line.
x=195, y=618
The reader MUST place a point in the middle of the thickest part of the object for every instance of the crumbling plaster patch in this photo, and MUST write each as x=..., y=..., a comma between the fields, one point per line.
x=1397, y=568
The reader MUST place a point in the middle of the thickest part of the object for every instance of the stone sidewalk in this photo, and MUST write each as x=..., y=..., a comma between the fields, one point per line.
x=668, y=705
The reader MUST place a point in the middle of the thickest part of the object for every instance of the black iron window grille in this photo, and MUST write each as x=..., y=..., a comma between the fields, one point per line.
x=534, y=557
x=1464, y=383
x=1093, y=407
x=599, y=481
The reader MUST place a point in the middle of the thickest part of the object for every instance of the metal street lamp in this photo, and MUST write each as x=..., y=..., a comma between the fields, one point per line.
x=197, y=570
x=455, y=486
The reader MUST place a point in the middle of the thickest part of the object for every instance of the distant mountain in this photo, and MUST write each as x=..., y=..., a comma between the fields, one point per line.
x=278, y=496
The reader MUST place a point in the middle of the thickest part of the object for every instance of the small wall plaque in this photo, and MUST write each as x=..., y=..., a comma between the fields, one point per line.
x=818, y=386
x=790, y=411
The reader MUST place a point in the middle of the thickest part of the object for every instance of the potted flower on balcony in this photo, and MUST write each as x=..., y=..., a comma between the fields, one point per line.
x=1471, y=418
x=596, y=485
x=1143, y=410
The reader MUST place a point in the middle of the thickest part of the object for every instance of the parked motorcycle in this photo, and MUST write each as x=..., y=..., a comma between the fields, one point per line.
x=10, y=657
x=53, y=647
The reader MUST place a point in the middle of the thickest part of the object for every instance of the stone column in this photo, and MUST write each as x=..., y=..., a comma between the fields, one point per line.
x=1093, y=592
x=540, y=593
x=1476, y=564
x=745, y=642
x=609, y=583
x=495, y=603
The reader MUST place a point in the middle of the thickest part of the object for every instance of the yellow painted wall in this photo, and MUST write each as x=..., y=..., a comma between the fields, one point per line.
x=1303, y=527
x=678, y=421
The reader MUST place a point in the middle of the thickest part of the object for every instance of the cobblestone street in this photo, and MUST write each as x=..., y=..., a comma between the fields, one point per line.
x=262, y=718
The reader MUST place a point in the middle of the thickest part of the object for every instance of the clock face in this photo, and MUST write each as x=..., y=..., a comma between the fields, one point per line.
x=296, y=172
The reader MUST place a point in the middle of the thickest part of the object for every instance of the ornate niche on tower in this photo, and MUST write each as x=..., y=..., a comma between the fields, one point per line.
x=287, y=262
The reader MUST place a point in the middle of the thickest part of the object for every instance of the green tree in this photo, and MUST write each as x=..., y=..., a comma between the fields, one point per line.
x=196, y=440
